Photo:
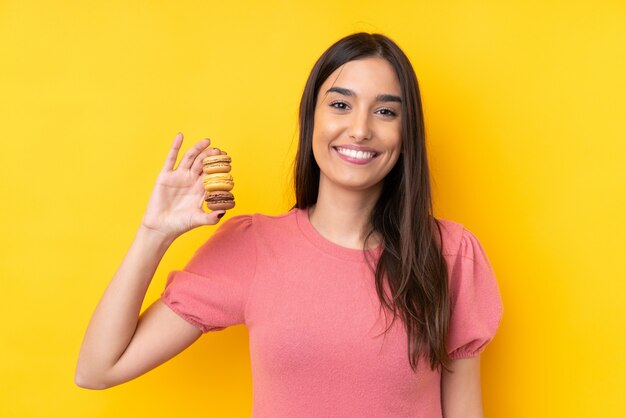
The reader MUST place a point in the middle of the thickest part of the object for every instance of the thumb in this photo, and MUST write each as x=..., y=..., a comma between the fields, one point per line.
x=210, y=218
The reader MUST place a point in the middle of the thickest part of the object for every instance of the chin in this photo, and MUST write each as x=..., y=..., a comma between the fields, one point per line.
x=359, y=186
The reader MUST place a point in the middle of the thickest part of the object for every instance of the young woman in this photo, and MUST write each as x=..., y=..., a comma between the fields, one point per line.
x=358, y=301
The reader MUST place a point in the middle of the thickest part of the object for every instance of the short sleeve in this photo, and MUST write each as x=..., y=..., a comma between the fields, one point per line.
x=476, y=304
x=212, y=290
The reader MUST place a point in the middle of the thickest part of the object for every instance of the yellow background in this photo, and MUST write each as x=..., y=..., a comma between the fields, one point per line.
x=525, y=105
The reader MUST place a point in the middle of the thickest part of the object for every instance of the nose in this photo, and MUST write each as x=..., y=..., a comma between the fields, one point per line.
x=359, y=129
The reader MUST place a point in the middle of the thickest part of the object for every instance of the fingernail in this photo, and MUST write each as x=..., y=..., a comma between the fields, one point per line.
x=220, y=215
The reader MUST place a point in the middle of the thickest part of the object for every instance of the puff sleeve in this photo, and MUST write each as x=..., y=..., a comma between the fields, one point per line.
x=476, y=304
x=212, y=290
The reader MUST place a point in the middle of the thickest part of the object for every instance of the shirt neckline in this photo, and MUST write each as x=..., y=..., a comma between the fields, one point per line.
x=329, y=247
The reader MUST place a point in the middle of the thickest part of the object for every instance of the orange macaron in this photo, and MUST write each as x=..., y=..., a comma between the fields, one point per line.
x=216, y=164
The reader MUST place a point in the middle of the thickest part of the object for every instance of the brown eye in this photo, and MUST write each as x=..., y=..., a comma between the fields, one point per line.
x=339, y=105
x=388, y=112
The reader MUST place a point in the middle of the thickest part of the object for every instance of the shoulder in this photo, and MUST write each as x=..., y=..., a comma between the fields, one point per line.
x=451, y=235
x=257, y=222
x=278, y=219
x=458, y=240
x=239, y=224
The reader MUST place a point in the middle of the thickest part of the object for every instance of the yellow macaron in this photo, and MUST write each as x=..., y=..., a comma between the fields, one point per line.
x=218, y=182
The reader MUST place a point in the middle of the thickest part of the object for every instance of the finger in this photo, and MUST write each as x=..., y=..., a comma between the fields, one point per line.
x=196, y=168
x=191, y=155
x=173, y=154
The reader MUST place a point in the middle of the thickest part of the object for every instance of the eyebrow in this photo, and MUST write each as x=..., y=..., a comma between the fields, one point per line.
x=379, y=98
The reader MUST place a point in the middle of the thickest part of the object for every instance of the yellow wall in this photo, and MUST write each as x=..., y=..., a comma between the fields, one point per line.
x=525, y=107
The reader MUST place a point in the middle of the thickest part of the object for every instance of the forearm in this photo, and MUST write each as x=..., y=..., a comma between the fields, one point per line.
x=461, y=394
x=115, y=318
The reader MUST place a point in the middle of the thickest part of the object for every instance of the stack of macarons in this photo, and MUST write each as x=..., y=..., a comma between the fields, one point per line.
x=218, y=182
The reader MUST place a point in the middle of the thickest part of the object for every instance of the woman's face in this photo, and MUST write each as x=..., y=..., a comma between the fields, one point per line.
x=357, y=126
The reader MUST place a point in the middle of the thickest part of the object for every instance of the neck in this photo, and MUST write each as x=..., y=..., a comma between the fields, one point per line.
x=343, y=216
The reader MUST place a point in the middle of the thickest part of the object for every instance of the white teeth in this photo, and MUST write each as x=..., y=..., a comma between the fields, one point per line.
x=362, y=155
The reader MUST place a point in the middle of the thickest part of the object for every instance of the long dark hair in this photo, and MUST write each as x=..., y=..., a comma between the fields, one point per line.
x=411, y=259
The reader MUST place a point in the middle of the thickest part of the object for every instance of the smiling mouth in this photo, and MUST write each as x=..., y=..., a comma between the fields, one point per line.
x=357, y=155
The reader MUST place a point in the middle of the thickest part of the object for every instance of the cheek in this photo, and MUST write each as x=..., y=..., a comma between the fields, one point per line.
x=391, y=143
x=326, y=127
x=394, y=138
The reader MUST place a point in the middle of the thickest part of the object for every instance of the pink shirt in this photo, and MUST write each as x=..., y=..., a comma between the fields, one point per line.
x=317, y=346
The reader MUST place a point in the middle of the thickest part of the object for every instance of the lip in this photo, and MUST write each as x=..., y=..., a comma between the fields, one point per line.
x=356, y=161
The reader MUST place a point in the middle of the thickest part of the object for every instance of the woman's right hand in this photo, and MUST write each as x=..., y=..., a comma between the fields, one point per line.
x=175, y=205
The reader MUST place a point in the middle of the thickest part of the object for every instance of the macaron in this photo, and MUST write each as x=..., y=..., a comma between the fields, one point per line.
x=216, y=164
x=218, y=182
x=219, y=200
